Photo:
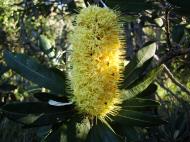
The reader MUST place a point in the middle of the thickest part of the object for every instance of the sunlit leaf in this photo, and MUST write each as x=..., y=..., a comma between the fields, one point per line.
x=142, y=57
x=141, y=84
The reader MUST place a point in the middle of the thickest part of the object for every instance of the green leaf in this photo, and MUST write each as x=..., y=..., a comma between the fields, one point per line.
x=46, y=47
x=141, y=59
x=130, y=5
x=128, y=18
x=45, y=43
x=83, y=129
x=101, y=133
x=49, y=78
x=36, y=113
x=71, y=131
x=77, y=131
x=139, y=104
x=135, y=118
x=159, y=22
x=148, y=92
x=141, y=84
x=137, y=73
x=129, y=133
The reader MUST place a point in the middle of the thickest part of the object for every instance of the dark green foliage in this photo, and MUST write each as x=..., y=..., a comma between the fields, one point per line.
x=178, y=33
x=137, y=65
x=101, y=133
x=139, y=104
x=45, y=97
x=181, y=7
x=33, y=114
x=145, y=116
x=49, y=78
x=36, y=113
x=135, y=118
x=142, y=83
x=133, y=6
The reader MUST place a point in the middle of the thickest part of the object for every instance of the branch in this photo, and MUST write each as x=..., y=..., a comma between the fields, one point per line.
x=23, y=34
x=168, y=56
x=179, y=99
x=168, y=90
x=172, y=54
x=167, y=27
x=174, y=80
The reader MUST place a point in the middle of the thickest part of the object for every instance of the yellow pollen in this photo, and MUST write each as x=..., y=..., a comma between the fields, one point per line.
x=96, y=62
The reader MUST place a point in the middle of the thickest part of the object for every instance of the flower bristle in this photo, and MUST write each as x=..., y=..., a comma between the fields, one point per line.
x=96, y=59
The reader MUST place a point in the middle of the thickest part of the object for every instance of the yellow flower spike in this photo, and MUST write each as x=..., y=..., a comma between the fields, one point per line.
x=95, y=61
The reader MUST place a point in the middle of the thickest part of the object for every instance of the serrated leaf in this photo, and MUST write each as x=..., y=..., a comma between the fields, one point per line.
x=142, y=57
x=137, y=73
x=49, y=78
x=101, y=133
x=139, y=104
x=135, y=118
x=148, y=92
x=141, y=84
x=36, y=113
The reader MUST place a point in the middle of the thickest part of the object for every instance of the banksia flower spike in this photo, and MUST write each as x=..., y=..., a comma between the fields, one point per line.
x=96, y=62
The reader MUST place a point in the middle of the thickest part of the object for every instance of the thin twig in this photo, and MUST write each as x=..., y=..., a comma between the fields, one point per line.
x=165, y=58
x=179, y=99
x=167, y=27
x=174, y=80
x=169, y=91
x=174, y=53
